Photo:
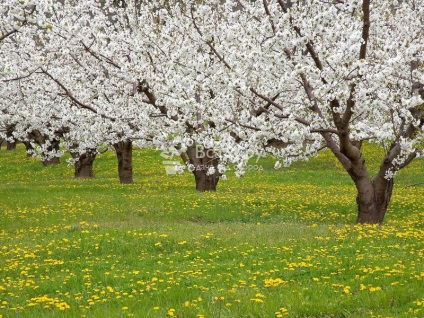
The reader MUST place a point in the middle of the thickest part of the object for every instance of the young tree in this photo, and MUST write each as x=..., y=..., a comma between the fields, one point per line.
x=326, y=74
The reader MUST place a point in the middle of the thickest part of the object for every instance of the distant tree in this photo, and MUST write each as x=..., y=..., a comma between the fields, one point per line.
x=14, y=16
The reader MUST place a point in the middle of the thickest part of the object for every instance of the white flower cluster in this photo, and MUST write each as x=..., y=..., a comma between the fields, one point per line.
x=228, y=76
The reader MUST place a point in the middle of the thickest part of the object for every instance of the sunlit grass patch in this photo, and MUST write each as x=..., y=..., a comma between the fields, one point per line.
x=273, y=244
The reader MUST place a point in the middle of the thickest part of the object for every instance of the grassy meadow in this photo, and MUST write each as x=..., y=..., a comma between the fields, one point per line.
x=272, y=244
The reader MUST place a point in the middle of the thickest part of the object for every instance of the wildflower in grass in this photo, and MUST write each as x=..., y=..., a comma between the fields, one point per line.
x=346, y=289
x=171, y=312
x=374, y=289
x=273, y=282
x=63, y=306
x=281, y=312
x=259, y=298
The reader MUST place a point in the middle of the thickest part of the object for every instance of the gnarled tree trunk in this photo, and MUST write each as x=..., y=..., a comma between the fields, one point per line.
x=123, y=151
x=203, y=159
x=373, y=199
x=373, y=195
x=83, y=166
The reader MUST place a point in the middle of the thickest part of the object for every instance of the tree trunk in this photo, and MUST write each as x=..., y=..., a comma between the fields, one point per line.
x=10, y=142
x=202, y=160
x=373, y=199
x=124, y=154
x=52, y=160
x=29, y=148
x=205, y=182
x=84, y=165
x=11, y=145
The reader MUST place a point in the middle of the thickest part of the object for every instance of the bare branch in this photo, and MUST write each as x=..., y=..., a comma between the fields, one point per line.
x=309, y=45
x=269, y=15
x=21, y=77
x=280, y=107
x=245, y=126
x=267, y=99
x=322, y=130
x=69, y=94
x=99, y=55
x=263, y=109
x=365, y=28
x=210, y=42
x=407, y=161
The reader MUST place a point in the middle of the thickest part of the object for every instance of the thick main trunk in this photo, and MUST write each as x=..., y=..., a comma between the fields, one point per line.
x=84, y=165
x=373, y=199
x=123, y=151
x=205, y=182
x=203, y=160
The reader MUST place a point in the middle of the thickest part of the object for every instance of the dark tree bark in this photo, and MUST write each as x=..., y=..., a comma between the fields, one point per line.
x=54, y=146
x=373, y=200
x=123, y=151
x=29, y=148
x=10, y=145
x=202, y=159
x=42, y=139
x=83, y=166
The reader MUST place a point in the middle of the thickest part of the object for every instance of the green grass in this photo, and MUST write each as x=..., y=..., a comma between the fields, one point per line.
x=273, y=244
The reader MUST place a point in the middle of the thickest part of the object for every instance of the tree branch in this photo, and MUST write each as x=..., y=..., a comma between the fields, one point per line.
x=209, y=43
x=98, y=55
x=269, y=15
x=69, y=94
x=24, y=22
x=322, y=130
x=245, y=126
x=267, y=99
x=365, y=28
x=280, y=107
